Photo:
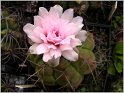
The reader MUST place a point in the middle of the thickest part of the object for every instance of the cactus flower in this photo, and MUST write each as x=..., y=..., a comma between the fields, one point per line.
x=55, y=33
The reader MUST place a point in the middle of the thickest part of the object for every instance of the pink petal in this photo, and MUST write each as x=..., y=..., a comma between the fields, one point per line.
x=43, y=12
x=37, y=21
x=82, y=35
x=75, y=42
x=53, y=13
x=51, y=46
x=72, y=29
x=35, y=39
x=70, y=55
x=39, y=30
x=47, y=23
x=46, y=57
x=77, y=20
x=28, y=28
x=67, y=15
x=65, y=47
x=67, y=39
x=54, y=62
x=55, y=53
x=42, y=48
x=59, y=9
x=32, y=49
x=43, y=37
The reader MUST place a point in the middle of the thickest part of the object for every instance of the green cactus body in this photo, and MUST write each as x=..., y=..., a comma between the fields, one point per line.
x=11, y=21
x=46, y=74
x=89, y=43
x=69, y=74
x=70, y=77
x=8, y=33
x=87, y=63
x=10, y=41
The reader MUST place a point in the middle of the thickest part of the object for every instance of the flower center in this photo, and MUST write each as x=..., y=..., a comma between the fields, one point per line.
x=54, y=36
x=55, y=31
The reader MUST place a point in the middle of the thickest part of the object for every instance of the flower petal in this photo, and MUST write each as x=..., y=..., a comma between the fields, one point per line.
x=43, y=12
x=59, y=9
x=77, y=20
x=55, y=53
x=65, y=47
x=53, y=13
x=72, y=29
x=67, y=15
x=37, y=21
x=51, y=46
x=70, y=55
x=34, y=38
x=54, y=62
x=43, y=37
x=28, y=28
x=42, y=48
x=67, y=40
x=32, y=49
x=46, y=57
x=37, y=31
x=75, y=42
x=82, y=35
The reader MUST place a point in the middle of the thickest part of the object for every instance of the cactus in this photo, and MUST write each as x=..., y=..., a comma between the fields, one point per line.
x=69, y=74
x=10, y=36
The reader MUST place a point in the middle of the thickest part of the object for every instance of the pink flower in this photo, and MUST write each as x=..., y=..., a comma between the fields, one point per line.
x=55, y=34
